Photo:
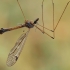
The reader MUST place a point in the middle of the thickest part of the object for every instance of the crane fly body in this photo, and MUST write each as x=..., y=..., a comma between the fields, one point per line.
x=27, y=24
x=16, y=50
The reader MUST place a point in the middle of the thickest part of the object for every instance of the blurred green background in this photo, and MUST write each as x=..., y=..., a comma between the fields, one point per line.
x=40, y=51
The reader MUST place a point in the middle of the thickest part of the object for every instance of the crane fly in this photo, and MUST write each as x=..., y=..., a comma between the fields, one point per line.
x=16, y=50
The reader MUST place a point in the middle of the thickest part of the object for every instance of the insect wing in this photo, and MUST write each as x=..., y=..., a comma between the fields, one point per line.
x=16, y=50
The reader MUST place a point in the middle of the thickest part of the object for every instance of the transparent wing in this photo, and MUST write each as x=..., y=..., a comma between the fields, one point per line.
x=16, y=50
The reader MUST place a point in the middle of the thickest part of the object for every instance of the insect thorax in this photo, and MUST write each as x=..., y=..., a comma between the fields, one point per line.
x=29, y=24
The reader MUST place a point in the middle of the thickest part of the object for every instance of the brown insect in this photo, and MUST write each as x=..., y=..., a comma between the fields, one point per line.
x=16, y=50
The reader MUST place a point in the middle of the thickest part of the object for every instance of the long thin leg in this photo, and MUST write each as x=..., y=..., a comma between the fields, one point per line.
x=42, y=16
x=53, y=19
x=61, y=15
x=43, y=20
x=43, y=23
x=43, y=32
x=21, y=10
x=44, y=27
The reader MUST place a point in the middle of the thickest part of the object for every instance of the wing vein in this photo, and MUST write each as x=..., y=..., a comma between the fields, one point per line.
x=16, y=50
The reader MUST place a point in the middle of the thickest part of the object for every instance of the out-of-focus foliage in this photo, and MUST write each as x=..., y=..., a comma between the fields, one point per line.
x=40, y=51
